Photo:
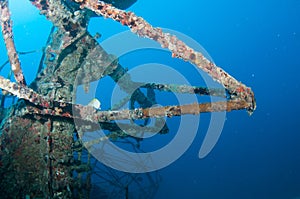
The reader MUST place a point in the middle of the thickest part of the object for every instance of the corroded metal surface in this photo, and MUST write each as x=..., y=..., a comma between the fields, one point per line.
x=6, y=25
x=178, y=48
x=41, y=154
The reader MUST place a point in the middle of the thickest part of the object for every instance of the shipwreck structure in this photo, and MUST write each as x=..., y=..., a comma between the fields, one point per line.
x=41, y=152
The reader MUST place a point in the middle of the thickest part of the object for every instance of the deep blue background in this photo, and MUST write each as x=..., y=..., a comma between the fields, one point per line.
x=258, y=42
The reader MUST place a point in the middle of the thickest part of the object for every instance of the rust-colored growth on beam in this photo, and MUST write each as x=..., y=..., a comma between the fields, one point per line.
x=6, y=25
x=179, y=49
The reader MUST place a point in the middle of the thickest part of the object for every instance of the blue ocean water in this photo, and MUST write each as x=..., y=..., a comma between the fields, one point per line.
x=257, y=42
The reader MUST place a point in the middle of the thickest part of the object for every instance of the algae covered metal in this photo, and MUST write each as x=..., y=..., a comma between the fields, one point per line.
x=42, y=154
